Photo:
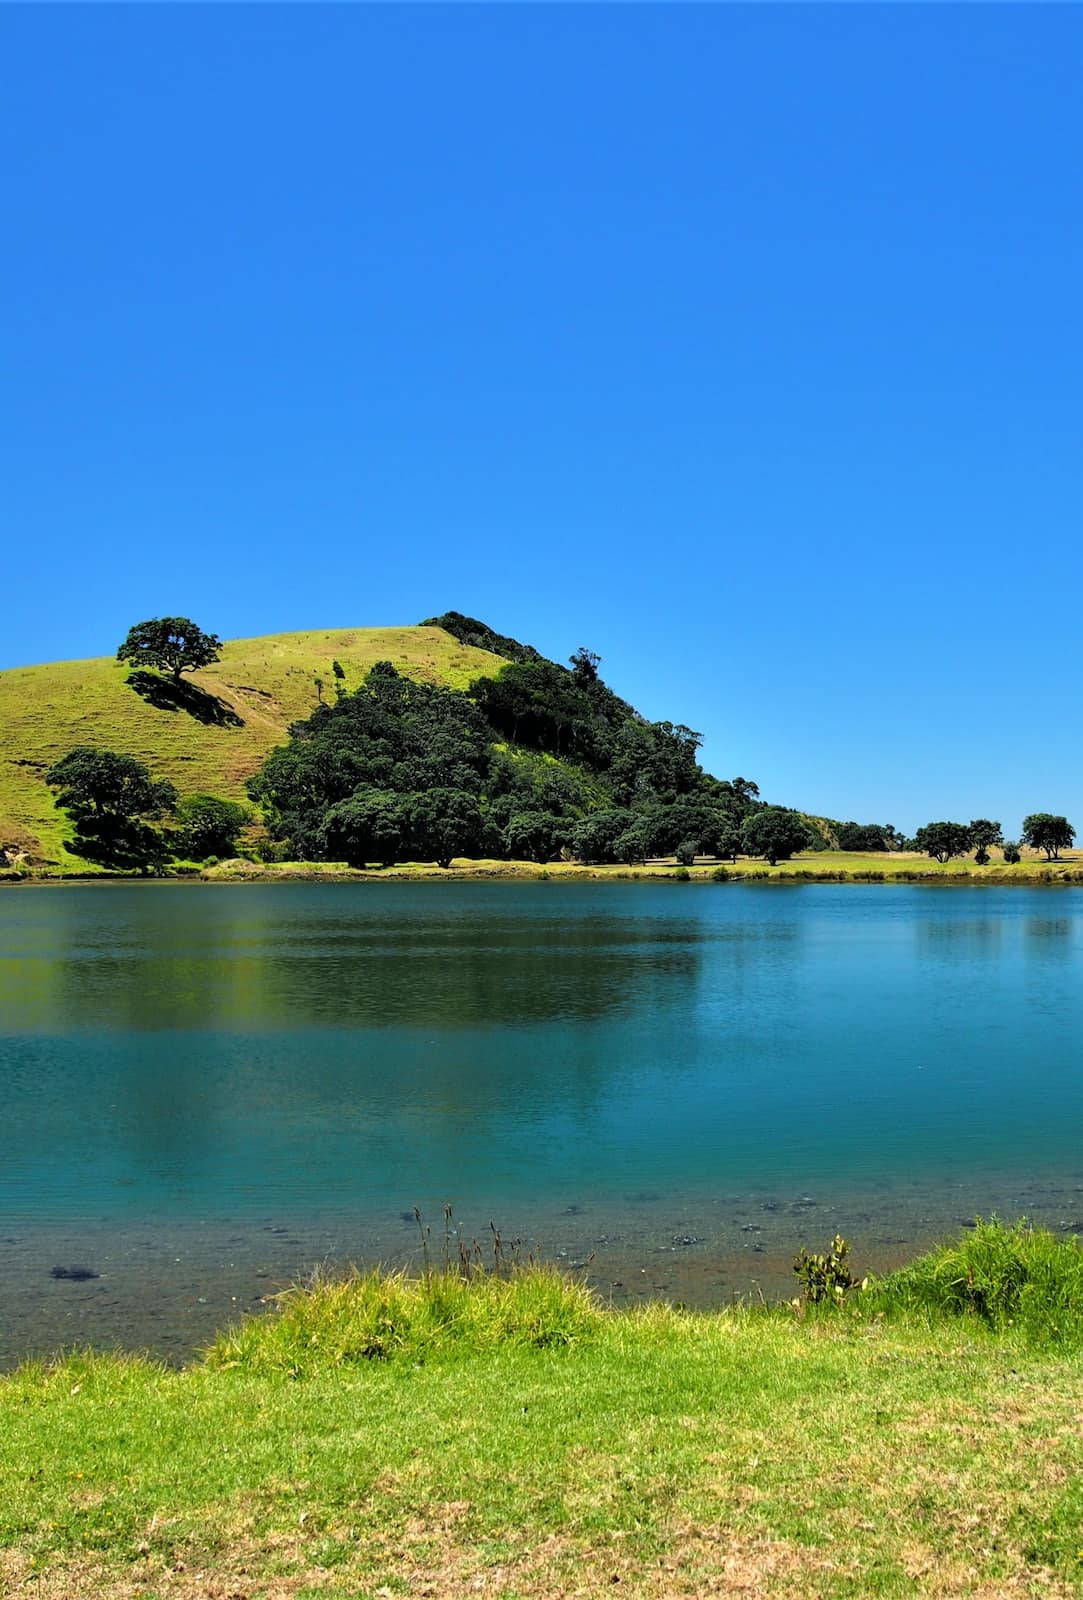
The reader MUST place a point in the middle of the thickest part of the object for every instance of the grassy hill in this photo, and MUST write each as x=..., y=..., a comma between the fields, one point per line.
x=208, y=738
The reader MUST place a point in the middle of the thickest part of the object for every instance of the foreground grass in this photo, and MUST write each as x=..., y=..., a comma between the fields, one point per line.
x=260, y=686
x=517, y=1439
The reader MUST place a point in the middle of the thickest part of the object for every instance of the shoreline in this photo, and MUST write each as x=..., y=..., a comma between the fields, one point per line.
x=1053, y=875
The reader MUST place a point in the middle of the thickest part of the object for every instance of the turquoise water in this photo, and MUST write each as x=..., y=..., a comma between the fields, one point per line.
x=251, y=1077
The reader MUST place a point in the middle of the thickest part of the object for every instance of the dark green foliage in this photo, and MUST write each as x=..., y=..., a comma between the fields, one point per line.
x=468, y=630
x=443, y=823
x=534, y=836
x=1011, y=852
x=367, y=826
x=863, y=836
x=1042, y=831
x=774, y=833
x=983, y=833
x=686, y=852
x=112, y=799
x=942, y=840
x=826, y=1277
x=338, y=669
x=209, y=826
x=539, y=760
x=99, y=785
x=172, y=644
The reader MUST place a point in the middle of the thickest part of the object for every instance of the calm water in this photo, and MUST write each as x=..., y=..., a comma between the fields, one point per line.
x=208, y=1088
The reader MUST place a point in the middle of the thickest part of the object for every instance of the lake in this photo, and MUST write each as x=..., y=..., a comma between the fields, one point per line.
x=208, y=1090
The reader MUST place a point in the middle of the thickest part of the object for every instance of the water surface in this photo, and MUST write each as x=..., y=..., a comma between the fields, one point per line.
x=208, y=1087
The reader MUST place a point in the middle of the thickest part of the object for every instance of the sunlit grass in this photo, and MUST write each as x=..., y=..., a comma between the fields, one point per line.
x=513, y=1436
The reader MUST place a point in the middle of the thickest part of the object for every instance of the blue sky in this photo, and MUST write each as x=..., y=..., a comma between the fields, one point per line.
x=742, y=344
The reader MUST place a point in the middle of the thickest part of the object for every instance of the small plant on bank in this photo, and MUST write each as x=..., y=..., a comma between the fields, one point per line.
x=826, y=1277
x=1011, y=852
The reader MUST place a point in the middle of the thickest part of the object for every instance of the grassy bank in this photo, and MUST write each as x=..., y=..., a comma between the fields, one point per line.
x=391, y=1438
x=825, y=866
x=208, y=737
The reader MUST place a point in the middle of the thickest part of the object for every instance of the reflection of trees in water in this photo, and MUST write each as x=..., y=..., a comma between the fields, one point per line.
x=391, y=979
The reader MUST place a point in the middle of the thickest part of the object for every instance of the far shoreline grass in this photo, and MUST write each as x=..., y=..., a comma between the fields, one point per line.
x=826, y=866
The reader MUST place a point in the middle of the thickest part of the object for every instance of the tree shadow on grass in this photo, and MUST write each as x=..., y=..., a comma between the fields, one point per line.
x=166, y=695
x=120, y=845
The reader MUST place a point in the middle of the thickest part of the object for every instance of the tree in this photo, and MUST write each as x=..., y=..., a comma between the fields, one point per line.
x=983, y=833
x=1042, y=831
x=173, y=644
x=442, y=824
x=1011, y=852
x=100, y=786
x=596, y=837
x=584, y=665
x=774, y=833
x=209, y=826
x=368, y=826
x=534, y=835
x=685, y=853
x=110, y=797
x=942, y=840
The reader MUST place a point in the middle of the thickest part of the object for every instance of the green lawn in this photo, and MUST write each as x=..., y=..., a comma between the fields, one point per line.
x=518, y=1440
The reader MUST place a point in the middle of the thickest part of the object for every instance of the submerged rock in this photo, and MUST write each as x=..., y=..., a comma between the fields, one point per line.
x=75, y=1274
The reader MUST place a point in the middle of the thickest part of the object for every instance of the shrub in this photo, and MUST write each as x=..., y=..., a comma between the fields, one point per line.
x=379, y=1316
x=681, y=874
x=720, y=875
x=686, y=852
x=1005, y=1276
x=827, y=1277
x=1011, y=852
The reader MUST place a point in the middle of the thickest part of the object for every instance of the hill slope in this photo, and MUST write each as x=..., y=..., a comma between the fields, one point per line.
x=208, y=738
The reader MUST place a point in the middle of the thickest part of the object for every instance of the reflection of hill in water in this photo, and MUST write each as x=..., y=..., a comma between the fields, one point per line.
x=367, y=977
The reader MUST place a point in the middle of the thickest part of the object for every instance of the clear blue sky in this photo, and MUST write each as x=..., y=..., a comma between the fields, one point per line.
x=740, y=344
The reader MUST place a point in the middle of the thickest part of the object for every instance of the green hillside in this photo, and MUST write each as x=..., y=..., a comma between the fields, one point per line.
x=208, y=742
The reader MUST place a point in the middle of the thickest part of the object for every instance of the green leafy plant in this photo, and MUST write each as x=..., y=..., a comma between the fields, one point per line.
x=826, y=1277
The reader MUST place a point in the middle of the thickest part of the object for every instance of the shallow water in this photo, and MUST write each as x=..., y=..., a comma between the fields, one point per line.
x=209, y=1088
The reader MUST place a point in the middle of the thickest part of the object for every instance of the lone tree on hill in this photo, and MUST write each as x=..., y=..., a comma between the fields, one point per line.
x=173, y=644
x=1045, y=832
x=942, y=840
x=774, y=833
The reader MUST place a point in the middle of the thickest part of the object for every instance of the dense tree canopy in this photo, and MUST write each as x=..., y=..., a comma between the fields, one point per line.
x=539, y=760
x=1043, y=831
x=942, y=840
x=102, y=786
x=172, y=644
x=774, y=833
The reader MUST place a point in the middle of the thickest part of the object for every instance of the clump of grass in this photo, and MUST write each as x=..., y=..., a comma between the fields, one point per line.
x=1009, y=1277
x=380, y=1316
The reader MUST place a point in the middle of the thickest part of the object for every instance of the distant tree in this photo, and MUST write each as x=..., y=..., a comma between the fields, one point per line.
x=774, y=833
x=584, y=665
x=102, y=786
x=983, y=833
x=729, y=843
x=595, y=838
x=338, y=669
x=1011, y=852
x=942, y=840
x=319, y=689
x=173, y=644
x=534, y=836
x=1042, y=831
x=209, y=826
x=686, y=853
x=367, y=826
x=864, y=836
x=745, y=789
x=442, y=824
x=110, y=798
x=635, y=843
